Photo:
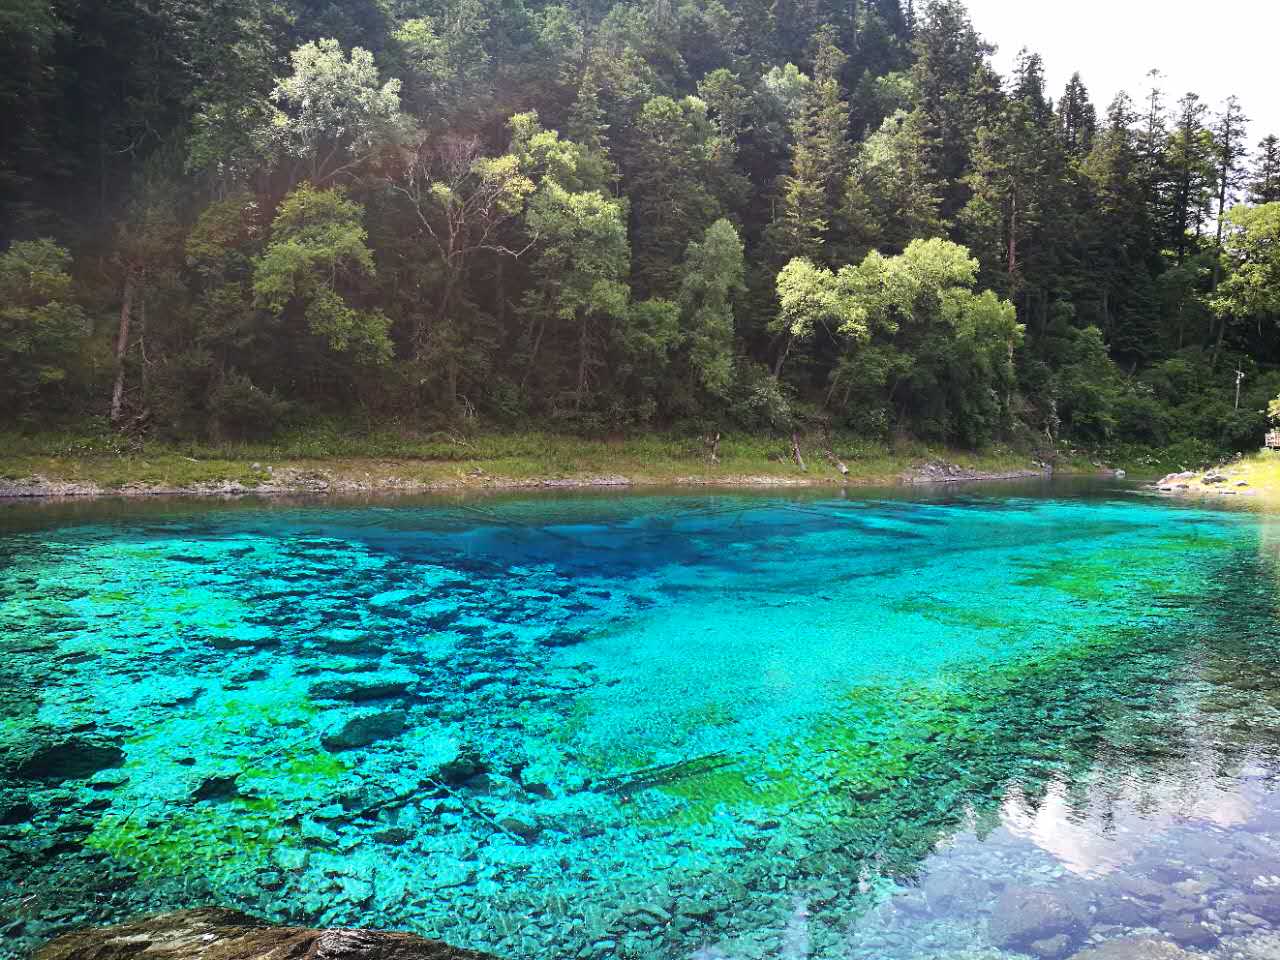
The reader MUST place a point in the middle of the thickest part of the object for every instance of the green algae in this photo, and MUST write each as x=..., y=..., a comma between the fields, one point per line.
x=952, y=615
x=186, y=842
x=886, y=743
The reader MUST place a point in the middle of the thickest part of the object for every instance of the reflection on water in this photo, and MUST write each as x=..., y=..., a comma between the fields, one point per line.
x=1035, y=724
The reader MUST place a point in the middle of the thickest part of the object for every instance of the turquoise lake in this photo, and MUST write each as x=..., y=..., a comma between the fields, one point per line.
x=984, y=723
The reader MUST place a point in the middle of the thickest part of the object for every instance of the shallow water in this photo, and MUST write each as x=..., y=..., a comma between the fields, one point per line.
x=966, y=724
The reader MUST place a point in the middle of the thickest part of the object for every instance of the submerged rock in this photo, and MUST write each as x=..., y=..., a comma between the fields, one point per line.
x=1037, y=921
x=365, y=728
x=217, y=788
x=360, y=687
x=1136, y=948
x=73, y=759
x=213, y=933
x=1190, y=933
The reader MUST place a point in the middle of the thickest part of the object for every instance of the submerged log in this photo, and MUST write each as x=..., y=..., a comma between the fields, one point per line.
x=213, y=933
x=661, y=774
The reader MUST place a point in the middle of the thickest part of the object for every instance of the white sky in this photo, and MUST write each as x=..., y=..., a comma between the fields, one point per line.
x=1215, y=49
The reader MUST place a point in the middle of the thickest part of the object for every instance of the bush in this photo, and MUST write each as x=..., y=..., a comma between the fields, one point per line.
x=243, y=411
x=760, y=401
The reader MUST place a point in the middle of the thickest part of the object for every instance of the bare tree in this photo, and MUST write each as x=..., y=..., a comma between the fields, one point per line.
x=464, y=202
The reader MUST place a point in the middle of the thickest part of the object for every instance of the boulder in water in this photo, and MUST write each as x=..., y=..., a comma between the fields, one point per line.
x=213, y=933
x=359, y=687
x=1038, y=921
x=363, y=728
x=1136, y=948
x=76, y=758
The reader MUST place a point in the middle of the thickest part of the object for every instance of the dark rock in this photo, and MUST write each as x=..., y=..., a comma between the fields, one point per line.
x=213, y=933
x=363, y=729
x=15, y=811
x=564, y=638
x=522, y=827
x=1135, y=948
x=465, y=766
x=1050, y=947
x=393, y=836
x=1264, y=905
x=216, y=788
x=1038, y=921
x=703, y=910
x=1189, y=932
x=1127, y=912
x=358, y=688
x=477, y=680
x=1140, y=887
x=74, y=759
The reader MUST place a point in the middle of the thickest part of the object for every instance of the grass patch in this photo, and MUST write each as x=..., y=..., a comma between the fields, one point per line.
x=1251, y=478
x=397, y=459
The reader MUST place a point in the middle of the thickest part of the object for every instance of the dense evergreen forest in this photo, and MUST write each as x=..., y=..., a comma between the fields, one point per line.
x=223, y=216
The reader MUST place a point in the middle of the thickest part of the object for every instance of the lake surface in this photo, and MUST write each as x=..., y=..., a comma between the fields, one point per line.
x=966, y=724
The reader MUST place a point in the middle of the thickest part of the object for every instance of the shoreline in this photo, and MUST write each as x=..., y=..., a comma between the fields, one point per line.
x=289, y=482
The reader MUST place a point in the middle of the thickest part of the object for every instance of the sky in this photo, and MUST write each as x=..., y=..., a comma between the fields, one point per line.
x=1215, y=49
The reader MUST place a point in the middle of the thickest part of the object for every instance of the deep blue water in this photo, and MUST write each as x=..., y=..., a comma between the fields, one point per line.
x=963, y=725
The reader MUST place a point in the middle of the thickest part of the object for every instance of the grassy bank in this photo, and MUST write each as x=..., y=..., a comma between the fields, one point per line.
x=346, y=460
x=1256, y=476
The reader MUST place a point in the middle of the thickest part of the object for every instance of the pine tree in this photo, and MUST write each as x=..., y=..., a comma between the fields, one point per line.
x=1264, y=184
x=670, y=174
x=1191, y=165
x=956, y=92
x=1077, y=118
x=812, y=191
x=1121, y=249
x=1229, y=155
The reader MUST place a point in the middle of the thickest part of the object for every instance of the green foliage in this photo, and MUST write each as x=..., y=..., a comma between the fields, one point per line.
x=727, y=213
x=945, y=351
x=316, y=255
x=242, y=410
x=447, y=53
x=1252, y=288
x=332, y=112
x=713, y=277
x=42, y=329
x=582, y=261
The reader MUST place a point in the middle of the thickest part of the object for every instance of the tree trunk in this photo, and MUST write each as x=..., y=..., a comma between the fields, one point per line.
x=1013, y=236
x=777, y=365
x=142, y=346
x=1217, y=346
x=533, y=353
x=451, y=387
x=451, y=368
x=582, y=367
x=122, y=346
x=795, y=451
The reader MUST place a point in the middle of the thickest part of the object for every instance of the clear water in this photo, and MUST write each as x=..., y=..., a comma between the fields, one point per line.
x=732, y=726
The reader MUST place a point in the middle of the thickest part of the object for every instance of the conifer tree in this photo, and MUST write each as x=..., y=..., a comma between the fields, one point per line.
x=1264, y=182
x=1191, y=164
x=811, y=191
x=1077, y=118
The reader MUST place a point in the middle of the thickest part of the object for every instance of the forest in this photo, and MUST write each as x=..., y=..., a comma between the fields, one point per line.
x=219, y=218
